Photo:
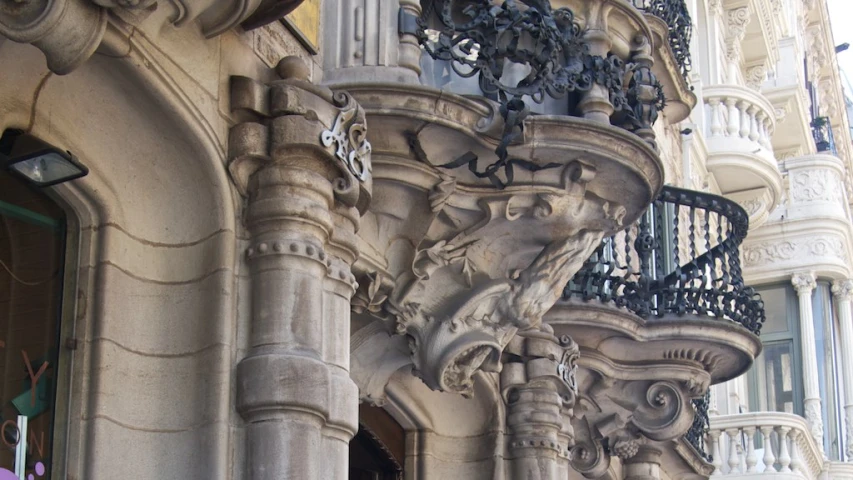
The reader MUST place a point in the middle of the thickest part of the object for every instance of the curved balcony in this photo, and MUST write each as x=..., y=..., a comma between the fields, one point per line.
x=681, y=259
x=740, y=124
x=660, y=307
x=672, y=29
x=767, y=444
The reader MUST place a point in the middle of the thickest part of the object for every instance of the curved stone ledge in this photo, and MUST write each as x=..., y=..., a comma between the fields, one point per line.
x=722, y=349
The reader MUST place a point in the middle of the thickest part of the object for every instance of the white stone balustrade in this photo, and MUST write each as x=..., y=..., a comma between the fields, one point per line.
x=765, y=444
x=739, y=117
x=739, y=129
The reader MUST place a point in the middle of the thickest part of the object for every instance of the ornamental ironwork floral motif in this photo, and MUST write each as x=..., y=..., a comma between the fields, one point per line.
x=549, y=44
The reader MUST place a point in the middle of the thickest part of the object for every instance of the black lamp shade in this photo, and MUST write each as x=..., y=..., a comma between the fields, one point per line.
x=37, y=162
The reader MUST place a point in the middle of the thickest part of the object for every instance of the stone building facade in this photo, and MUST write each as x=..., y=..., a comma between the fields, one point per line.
x=382, y=239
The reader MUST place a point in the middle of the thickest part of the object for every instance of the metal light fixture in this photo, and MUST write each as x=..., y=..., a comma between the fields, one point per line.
x=37, y=162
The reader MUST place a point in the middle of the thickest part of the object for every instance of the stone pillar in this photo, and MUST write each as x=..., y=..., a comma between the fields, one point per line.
x=843, y=292
x=305, y=167
x=645, y=465
x=538, y=383
x=371, y=41
x=805, y=283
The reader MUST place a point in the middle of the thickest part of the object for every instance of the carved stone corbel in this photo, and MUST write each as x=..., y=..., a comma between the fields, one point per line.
x=67, y=31
x=617, y=416
x=460, y=303
x=737, y=20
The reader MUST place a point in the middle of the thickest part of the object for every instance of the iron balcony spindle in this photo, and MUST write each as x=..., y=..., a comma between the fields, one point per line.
x=703, y=276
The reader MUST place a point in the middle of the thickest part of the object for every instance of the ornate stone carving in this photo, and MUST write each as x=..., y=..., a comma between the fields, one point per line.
x=299, y=113
x=69, y=31
x=755, y=76
x=736, y=21
x=815, y=420
x=804, y=282
x=818, y=185
x=821, y=245
x=539, y=387
x=618, y=415
x=843, y=290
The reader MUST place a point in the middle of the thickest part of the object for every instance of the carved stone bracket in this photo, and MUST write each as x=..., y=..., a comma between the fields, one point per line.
x=616, y=417
x=457, y=267
x=300, y=115
x=737, y=20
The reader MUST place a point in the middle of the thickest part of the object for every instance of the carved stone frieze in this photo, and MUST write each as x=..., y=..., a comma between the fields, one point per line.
x=764, y=253
x=817, y=185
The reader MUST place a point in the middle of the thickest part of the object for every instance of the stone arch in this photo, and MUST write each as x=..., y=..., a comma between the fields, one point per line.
x=157, y=261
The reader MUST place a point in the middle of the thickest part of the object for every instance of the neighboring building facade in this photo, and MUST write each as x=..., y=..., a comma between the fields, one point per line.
x=778, y=58
x=424, y=239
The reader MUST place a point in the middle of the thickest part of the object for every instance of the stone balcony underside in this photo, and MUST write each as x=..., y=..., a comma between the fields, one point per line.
x=457, y=265
x=740, y=125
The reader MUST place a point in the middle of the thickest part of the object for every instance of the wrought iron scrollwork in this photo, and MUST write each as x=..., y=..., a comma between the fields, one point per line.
x=680, y=258
x=677, y=17
x=479, y=38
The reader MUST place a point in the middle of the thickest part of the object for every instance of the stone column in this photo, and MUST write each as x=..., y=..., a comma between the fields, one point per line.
x=843, y=292
x=304, y=165
x=538, y=383
x=645, y=465
x=805, y=283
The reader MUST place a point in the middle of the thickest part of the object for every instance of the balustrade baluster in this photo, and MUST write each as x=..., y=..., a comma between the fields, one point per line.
x=745, y=122
x=734, y=117
x=716, y=453
x=754, y=124
x=734, y=449
x=769, y=457
x=784, y=456
x=764, y=130
x=751, y=457
x=797, y=465
x=716, y=117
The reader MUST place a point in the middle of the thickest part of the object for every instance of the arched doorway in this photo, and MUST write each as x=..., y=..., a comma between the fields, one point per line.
x=377, y=451
x=32, y=251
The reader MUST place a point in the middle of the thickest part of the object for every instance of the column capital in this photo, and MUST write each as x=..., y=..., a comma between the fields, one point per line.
x=804, y=282
x=843, y=289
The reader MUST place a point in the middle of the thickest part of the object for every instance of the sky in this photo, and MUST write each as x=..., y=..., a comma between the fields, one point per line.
x=841, y=15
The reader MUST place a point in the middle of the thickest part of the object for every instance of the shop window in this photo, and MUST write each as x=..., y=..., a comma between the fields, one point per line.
x=32, y=245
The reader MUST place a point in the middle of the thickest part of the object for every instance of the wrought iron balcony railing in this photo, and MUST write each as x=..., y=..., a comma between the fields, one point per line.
x=699, y=430
x=681, y=258
x=675, y=14
x=823, y=137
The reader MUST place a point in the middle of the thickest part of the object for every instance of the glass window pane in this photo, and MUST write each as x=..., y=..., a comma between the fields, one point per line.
x=31, y=260
x=776, y=307
x=777, y=385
